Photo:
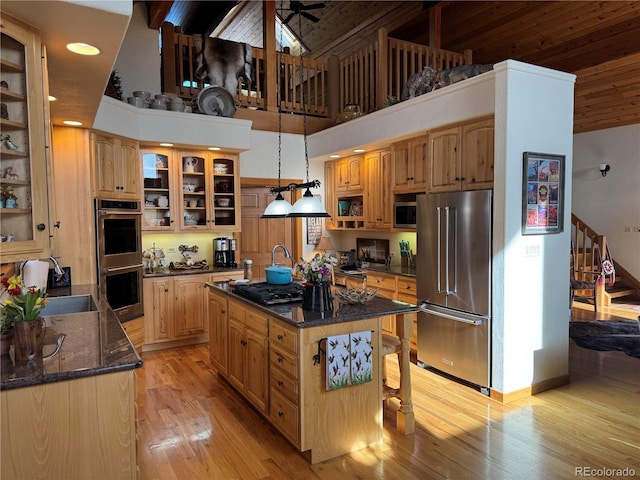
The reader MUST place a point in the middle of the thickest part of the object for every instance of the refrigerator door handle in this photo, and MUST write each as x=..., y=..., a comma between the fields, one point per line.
x=472, y=321
x=450, y=236
x=439, y=253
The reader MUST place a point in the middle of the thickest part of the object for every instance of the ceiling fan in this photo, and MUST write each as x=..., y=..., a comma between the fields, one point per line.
x=297, y=8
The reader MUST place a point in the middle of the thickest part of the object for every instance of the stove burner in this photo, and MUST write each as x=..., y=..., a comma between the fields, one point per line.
x=270, y=294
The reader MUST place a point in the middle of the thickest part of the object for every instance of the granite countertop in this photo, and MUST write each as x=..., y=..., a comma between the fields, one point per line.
x=166, y=272
x=293, y=313
x=392, y=270
x=95, y=344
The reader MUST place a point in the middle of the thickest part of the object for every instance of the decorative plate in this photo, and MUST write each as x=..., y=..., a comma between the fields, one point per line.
x=216, y=101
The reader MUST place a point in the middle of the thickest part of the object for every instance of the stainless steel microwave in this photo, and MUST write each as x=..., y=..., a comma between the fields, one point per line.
x=404, y=215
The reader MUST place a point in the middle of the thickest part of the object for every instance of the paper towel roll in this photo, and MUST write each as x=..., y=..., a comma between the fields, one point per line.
x=34, y=273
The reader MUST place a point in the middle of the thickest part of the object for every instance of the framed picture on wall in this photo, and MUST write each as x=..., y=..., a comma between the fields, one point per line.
x=542, y=193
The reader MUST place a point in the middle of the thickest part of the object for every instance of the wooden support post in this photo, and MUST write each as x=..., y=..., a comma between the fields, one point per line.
x=435, y=26
x=169, y=42
x=271, y=67
x=382, y=54
x=333, y=86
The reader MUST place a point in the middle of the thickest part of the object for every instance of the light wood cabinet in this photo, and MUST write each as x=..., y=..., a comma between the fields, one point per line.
x=117, y=167
x=209, y=193
x=284, y=382
x=176, y=308
x=248, y=367
x=461, y=157
x=159, y=200
x=330, y=195
x=378, y=203
x=190, y=305
x=218, y=331
x=348, y=174
x=93, y=422
x=24, y=159
x=410, y=168
x=478, y=152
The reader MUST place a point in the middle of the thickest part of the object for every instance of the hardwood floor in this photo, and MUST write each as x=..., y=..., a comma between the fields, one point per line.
x=192, y=425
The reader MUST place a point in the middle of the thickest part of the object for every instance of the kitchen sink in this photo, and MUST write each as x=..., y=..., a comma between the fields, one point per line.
x=66, y=305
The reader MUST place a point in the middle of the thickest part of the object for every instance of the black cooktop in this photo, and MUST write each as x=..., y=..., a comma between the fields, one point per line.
x=270, y=294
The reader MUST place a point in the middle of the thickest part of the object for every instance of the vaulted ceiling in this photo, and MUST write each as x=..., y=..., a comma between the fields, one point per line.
x=596, y=40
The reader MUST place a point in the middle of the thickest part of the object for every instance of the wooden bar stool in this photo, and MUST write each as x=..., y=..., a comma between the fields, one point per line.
x=390, y=345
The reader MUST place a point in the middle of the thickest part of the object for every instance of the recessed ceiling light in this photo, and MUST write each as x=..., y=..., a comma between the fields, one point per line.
x=52, y=98
x=215, y=149
x=166, y=144
x=359, y=150
x=72, y=123
x=334, y=156
x=82, y=48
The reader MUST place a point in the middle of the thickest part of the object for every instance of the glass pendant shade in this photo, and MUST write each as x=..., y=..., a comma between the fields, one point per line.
x=278, y=208
x=308, y=206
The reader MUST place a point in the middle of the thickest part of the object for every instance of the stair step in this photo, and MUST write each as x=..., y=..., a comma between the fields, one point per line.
x=620, y=292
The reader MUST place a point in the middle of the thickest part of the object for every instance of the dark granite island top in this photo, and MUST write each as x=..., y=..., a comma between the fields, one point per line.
x=95, y=344
x=342, y=312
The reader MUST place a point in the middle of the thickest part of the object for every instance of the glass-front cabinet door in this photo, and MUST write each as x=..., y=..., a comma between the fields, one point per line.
x=160, y=208
x=24, y=216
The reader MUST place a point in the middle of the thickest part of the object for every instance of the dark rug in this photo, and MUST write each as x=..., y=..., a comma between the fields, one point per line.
x=607, y=335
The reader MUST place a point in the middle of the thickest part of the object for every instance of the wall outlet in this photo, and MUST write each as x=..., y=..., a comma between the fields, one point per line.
x=171, y=250
x=532, y=250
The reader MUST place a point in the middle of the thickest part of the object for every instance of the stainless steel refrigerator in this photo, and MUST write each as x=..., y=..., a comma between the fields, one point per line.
x=454, y=284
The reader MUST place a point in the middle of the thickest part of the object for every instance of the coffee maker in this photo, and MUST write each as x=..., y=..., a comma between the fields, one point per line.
x=220, y=252
x=224, y=252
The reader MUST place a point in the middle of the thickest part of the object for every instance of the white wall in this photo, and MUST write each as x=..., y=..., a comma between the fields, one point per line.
x=138, y=62
x=534, y=113
x=611, y=204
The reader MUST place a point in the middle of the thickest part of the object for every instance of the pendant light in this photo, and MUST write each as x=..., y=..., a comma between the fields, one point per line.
x=279, y=207
x=308, y=205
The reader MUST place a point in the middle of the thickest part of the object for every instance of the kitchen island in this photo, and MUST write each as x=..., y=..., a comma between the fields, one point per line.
x=72, y=415
x=283, y=360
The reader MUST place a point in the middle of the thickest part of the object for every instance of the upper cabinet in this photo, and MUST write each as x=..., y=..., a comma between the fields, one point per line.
x=461, y=157
x=378, y=198
x=410, y=165
x=190, y=190
x=117, y=167
x=24, y=206
x=348, y=174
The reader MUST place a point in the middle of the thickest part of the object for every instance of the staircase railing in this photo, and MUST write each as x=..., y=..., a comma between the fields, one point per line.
x=590, y=247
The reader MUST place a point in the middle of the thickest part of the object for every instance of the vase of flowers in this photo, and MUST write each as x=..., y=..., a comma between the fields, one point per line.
x=316, y=276
x=20, y=310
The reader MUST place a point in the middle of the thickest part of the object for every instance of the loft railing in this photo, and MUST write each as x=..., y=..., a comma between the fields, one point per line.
x=367, y=77
x=378, y=72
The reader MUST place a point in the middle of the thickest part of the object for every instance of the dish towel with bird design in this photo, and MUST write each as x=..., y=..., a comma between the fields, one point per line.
x=349, y=359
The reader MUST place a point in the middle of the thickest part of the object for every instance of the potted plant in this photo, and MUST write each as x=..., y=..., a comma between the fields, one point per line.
x=316, y=275
x=20, y=311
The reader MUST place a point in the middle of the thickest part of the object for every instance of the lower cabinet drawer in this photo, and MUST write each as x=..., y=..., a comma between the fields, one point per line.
x=284, y=384
x=284, y=415
x=284, y=361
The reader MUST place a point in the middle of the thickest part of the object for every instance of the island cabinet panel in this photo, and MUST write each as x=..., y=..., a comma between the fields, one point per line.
x=218, y=328
x=248, y=367
x=336, y=422
x=74, y=429
x=284, y=380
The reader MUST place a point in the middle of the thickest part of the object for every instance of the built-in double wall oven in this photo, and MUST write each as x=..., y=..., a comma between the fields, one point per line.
x=119, y=249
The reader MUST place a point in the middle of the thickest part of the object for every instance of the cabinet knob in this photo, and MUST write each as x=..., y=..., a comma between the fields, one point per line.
x=280, y=383
x=223, y=312
x=280, y=359
x=41, y=226
x=281, y=414
x=280, y=337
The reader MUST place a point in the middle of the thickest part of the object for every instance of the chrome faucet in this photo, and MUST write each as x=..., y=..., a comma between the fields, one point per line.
x=286, y=254
x=56, y=268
